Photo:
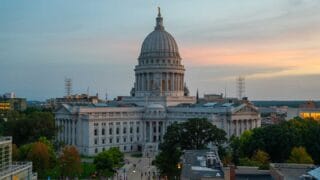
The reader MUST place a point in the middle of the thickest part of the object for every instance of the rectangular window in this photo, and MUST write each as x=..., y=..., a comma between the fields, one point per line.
x=131, y=130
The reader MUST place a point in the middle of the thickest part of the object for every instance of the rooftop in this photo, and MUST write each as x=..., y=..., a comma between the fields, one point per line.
x=198, y=164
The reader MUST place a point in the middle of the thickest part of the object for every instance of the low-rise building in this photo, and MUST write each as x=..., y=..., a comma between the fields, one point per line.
x=201, y=165
x=13, y=170
x=76, y=99
x=309, y=109
x=288, y=171
x=9, y=101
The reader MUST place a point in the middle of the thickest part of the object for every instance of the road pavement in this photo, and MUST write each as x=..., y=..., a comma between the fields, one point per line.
x=137, y=169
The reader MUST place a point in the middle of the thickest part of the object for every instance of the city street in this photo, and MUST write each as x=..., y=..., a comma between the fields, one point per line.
x=137, y=169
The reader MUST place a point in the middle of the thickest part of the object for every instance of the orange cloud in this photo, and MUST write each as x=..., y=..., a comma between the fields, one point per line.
x=295, y=61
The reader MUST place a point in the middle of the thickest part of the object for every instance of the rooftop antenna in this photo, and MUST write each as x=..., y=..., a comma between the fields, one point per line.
x=88, y=91
x=241, y=87
x=197, y=96
x=106, y=95
x=68, y=86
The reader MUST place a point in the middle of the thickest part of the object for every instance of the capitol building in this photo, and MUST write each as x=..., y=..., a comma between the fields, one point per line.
x=159, y=97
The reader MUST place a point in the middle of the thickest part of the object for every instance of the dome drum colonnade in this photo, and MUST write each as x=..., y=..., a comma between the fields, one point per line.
x=159, y=71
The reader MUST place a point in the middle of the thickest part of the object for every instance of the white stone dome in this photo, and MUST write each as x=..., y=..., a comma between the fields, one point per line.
x=159, y=43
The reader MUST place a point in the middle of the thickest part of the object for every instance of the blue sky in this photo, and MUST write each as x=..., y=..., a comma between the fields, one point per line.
x=274, y=43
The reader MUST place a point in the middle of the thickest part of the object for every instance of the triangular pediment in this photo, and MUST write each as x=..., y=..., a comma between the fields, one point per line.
x=244, y=109
x=63, y=109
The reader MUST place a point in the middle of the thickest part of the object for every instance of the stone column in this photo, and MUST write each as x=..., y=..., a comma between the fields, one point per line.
x=136, y=82
x=67, y=131
x=150, y=131
x=148, y=82
x=247, y=124
x=141, y=87
x=180, y=82
x=143, y=82
x=143, y=131
x=236, y=127
x=157, y=131
x=167, y=81
x=179, y=78
x=57, y=125
x=72, y=132
x=172, y=81
x=176, y=81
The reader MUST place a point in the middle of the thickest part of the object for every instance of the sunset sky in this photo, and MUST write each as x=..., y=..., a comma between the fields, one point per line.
x=275, y=44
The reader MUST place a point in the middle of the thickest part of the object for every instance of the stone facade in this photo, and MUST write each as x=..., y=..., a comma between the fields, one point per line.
x=94, y=129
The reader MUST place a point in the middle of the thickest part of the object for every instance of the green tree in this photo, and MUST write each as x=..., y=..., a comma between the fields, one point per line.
x=198, y=133
x=70, y=162
x=278, y=140
x=299, y=155
x=238, y=144
x=262, y=158
x=52, y=154
x=169, y=156
x=107, y=161
x=39, y=155
x=29, y=128
x=23, y=151
x=117, y=157
x=193, y=134
x=15, y=153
